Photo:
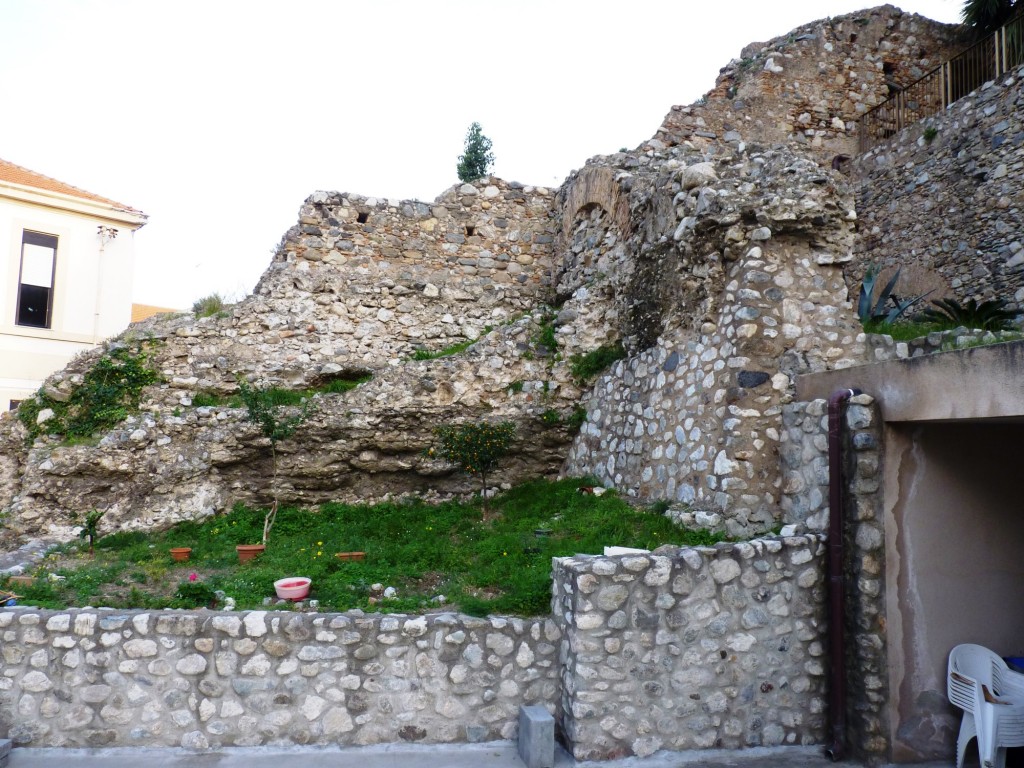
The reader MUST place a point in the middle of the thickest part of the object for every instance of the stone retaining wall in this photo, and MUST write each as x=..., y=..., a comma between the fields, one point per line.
x=694, y=648
x=685, y=648
x=946, y=195
x=86, y=678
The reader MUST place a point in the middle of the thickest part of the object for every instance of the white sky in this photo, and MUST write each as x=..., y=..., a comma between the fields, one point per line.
x=219, y=117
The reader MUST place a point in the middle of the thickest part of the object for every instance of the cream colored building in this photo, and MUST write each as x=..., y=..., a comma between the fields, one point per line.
x=66, y=266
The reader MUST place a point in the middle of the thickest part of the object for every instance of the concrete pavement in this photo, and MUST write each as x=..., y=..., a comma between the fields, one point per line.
x=498, y=754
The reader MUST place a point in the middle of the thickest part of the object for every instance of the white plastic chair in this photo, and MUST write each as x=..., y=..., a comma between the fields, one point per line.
x=992, y=698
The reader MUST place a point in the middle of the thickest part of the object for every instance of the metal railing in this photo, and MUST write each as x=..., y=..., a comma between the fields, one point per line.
x=952, y=80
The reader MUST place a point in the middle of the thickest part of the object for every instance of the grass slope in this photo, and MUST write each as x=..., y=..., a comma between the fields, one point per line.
x=496, y=564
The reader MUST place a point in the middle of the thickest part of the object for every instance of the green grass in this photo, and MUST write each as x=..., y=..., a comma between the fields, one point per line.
x=454, y=349
x=587, y=366
x=208, y=306
x=482, y=565
x=902, y=331
x=278, y=395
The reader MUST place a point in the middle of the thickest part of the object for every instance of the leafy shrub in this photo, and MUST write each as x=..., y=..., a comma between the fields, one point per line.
x=551, y=417
x=195, y=594
x=545, y=335
x=474, y=448
x=990, y=315
x=577, y=418
x=477, y=158
x=109, y=391
x=586, y=366
x=90, y=527
x=209, y=305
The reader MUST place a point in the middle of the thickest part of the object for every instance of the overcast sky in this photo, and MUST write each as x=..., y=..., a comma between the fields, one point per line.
x=219, y=117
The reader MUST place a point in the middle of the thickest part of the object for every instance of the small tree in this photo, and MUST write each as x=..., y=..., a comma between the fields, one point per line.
x=476, y=161
x=90, y=527
x=475, y=448
x=265, y=411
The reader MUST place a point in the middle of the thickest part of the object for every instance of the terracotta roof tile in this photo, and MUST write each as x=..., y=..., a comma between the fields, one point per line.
x=142, y=311
x=17, y=175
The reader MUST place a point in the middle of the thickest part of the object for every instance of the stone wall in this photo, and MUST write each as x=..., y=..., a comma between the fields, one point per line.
x=813, y=84
x=725, y=286
x=706, y=647
x=682, y=648
x=86, y=678
x=356, y=287
x=804, y=459
x=947, y=195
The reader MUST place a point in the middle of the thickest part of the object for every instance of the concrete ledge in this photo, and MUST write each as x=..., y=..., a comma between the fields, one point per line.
x=536, y=737
x=5, y=751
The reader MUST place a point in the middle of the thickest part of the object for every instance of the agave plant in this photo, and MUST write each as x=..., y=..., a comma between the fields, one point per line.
x=878, y=312
x=990, y=315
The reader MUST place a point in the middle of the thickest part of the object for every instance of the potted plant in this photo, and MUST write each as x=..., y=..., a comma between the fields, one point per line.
x=350, y=556
x=264, y=410
x=247, y=552
x=180, y=554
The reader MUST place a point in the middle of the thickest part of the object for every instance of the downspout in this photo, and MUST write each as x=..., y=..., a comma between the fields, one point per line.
x=836, y=595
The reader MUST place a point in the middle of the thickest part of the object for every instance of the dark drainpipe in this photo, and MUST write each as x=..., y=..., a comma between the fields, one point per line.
x=836, y=597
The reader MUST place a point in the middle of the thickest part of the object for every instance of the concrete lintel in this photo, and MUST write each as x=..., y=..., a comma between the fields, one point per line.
x=976, y=383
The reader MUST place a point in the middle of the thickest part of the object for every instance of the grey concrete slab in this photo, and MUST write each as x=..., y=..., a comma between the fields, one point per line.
x=536, y=737
x=499, y=754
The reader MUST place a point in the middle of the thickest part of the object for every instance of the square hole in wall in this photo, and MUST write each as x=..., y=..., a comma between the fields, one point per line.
x=470, y=230
x=362, y=217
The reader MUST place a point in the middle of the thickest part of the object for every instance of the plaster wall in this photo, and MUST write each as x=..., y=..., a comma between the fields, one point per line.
x=953, y=541
x=91, y=300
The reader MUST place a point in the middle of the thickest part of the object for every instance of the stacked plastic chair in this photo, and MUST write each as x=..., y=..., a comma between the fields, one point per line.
x=992, y=698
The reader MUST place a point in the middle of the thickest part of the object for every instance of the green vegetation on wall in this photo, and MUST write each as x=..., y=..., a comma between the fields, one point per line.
x=109, y=391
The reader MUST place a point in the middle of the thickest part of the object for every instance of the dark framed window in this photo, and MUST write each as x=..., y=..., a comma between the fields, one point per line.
x=35, y=279
x=14, y=404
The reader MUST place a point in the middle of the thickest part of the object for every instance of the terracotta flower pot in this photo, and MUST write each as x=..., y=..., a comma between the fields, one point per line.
x=350, y=556
x=180, y=554
x=247, y=552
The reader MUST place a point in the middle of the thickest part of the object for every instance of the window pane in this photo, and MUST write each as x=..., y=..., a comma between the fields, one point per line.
x=35, y=288
x=37, y=265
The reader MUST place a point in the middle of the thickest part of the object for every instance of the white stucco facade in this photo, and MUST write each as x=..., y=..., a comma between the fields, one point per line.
x=87, y=269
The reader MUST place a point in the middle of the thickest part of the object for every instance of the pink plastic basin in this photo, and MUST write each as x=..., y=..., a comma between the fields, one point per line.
x=292, y=587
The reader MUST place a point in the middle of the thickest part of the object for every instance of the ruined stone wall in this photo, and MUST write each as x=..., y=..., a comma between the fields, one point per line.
x=706, y=647
x=343, y=297
x=87, y=678
x=813, y=84
x=947, y=195
x=723, y=287
x=804, y=458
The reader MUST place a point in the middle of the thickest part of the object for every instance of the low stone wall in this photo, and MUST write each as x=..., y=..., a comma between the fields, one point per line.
x=687, y=648
x=87, y=678
x=692, y=649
